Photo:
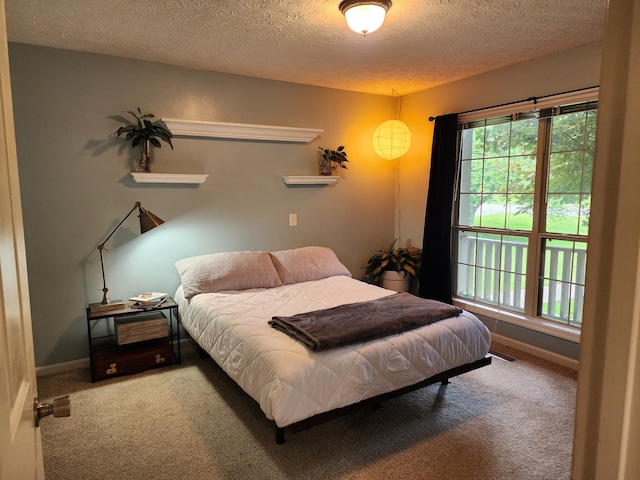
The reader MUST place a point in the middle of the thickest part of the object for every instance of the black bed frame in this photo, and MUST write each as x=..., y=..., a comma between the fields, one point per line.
x=373, y=401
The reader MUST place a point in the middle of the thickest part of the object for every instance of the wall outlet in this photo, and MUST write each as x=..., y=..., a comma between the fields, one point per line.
x=293, y=219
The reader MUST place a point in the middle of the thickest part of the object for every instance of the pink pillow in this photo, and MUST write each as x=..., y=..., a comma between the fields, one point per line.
x=227, y=271
x=307, y=263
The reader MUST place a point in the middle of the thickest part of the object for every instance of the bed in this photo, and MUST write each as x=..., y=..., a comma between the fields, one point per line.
x=226, y=301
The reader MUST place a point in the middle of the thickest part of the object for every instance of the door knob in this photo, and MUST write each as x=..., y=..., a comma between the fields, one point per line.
x=61, y=407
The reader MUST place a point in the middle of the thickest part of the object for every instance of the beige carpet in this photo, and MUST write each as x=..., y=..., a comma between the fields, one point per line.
x=510, y=420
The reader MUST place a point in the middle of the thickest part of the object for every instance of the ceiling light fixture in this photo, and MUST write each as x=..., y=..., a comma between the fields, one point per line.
x=364, y=16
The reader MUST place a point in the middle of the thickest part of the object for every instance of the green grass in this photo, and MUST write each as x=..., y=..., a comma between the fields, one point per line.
x=521, y=221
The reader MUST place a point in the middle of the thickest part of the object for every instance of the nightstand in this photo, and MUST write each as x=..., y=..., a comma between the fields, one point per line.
x=131, y=340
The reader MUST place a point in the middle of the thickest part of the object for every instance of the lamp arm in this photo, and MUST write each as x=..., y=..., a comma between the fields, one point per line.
x=105, y=297
x=101, y=246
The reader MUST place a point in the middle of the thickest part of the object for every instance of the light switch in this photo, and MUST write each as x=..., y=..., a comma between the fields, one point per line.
x=293, y=219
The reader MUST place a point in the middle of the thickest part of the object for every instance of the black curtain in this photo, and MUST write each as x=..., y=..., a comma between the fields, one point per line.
x=435, y=274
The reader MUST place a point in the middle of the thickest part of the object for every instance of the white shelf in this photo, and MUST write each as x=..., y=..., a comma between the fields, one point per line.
x=243, y=131
x=310, y=179
x=190, y=178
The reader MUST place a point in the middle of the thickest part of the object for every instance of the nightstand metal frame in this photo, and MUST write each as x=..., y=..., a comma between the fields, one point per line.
x=105, y=342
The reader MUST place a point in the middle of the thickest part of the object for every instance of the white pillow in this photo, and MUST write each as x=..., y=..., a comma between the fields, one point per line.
x=227, y=271
x=307, y=263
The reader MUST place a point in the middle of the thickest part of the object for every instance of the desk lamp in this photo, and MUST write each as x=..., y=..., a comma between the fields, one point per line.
x=147, y=221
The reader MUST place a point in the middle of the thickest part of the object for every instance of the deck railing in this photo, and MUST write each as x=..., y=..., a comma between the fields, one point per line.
x=493, y=271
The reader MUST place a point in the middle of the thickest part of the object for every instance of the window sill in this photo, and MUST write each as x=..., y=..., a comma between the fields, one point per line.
x=548, y=327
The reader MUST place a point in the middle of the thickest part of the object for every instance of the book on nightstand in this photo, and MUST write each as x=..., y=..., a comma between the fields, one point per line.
x=149, y=296
x=106, y=307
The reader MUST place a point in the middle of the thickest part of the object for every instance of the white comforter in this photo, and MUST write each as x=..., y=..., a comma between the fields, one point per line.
x=292, y=383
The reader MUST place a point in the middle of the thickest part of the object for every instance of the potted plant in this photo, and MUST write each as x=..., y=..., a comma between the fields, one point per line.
x=393, y=268
x=143, y=134
x=331, y=160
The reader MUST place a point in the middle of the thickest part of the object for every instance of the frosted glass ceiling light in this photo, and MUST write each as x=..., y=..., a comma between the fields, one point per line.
x=364, y=16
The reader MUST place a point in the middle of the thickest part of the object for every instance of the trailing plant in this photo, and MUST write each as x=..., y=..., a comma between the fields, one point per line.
x=332, y=160
x=401, y=259
x=143, y=134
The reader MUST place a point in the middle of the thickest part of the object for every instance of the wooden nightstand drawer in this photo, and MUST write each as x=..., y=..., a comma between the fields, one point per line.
x=111, y=362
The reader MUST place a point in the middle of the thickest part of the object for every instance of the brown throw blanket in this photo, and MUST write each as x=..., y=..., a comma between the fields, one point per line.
x=358, y=322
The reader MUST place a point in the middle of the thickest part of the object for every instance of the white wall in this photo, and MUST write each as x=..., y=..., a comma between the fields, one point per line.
x=607, y=430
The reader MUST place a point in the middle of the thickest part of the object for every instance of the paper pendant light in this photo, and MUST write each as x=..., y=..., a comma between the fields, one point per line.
x=391, y=139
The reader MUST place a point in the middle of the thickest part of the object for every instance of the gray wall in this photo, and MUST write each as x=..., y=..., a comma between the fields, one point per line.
x=75, y=185
x=76, y=188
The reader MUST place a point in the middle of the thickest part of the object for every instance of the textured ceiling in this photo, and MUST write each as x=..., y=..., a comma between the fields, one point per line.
x=422, y=43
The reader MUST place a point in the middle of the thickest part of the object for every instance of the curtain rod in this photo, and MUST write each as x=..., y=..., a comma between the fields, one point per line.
x=530, y=99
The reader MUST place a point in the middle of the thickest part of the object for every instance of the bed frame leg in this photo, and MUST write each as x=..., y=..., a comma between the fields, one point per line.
x=279, y=435
x=445, y=382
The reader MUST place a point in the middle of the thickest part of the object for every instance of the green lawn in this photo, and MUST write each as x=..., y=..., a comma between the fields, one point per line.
x=523, y=221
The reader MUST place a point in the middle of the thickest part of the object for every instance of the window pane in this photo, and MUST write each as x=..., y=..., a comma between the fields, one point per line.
x=471, y=176
x=591, y=129
x=493, y=211
x=467, y=206
x=514, y=264
x=520, y=212
x=491, y=268
x=588, y=171
x=466, y=264
x=563, y=213
x=497, y=140
x=522, y=174
x=568, y=132
x=585, y=211
x=562, y=281
x=570, y=173
x=565, y=172
x=524, y=137
x=495, y=176
x=472, y=143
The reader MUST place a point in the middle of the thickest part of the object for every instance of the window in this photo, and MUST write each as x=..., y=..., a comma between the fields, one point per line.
x=522, y=223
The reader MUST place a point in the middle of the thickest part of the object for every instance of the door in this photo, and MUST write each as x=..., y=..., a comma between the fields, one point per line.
x=20, y=447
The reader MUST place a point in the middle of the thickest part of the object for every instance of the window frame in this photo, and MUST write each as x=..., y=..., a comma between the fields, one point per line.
x=529, y=317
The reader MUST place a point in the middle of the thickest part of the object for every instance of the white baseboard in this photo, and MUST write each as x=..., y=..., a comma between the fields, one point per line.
x=45, y=370
x=62, y=367
x=536, y=351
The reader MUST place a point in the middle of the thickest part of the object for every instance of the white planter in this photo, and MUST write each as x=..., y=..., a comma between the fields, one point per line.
x=397, y=281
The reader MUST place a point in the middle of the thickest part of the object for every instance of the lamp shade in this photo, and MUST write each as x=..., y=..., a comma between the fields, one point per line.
x=365, y=16
x=148, y=220
x=391, y=139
